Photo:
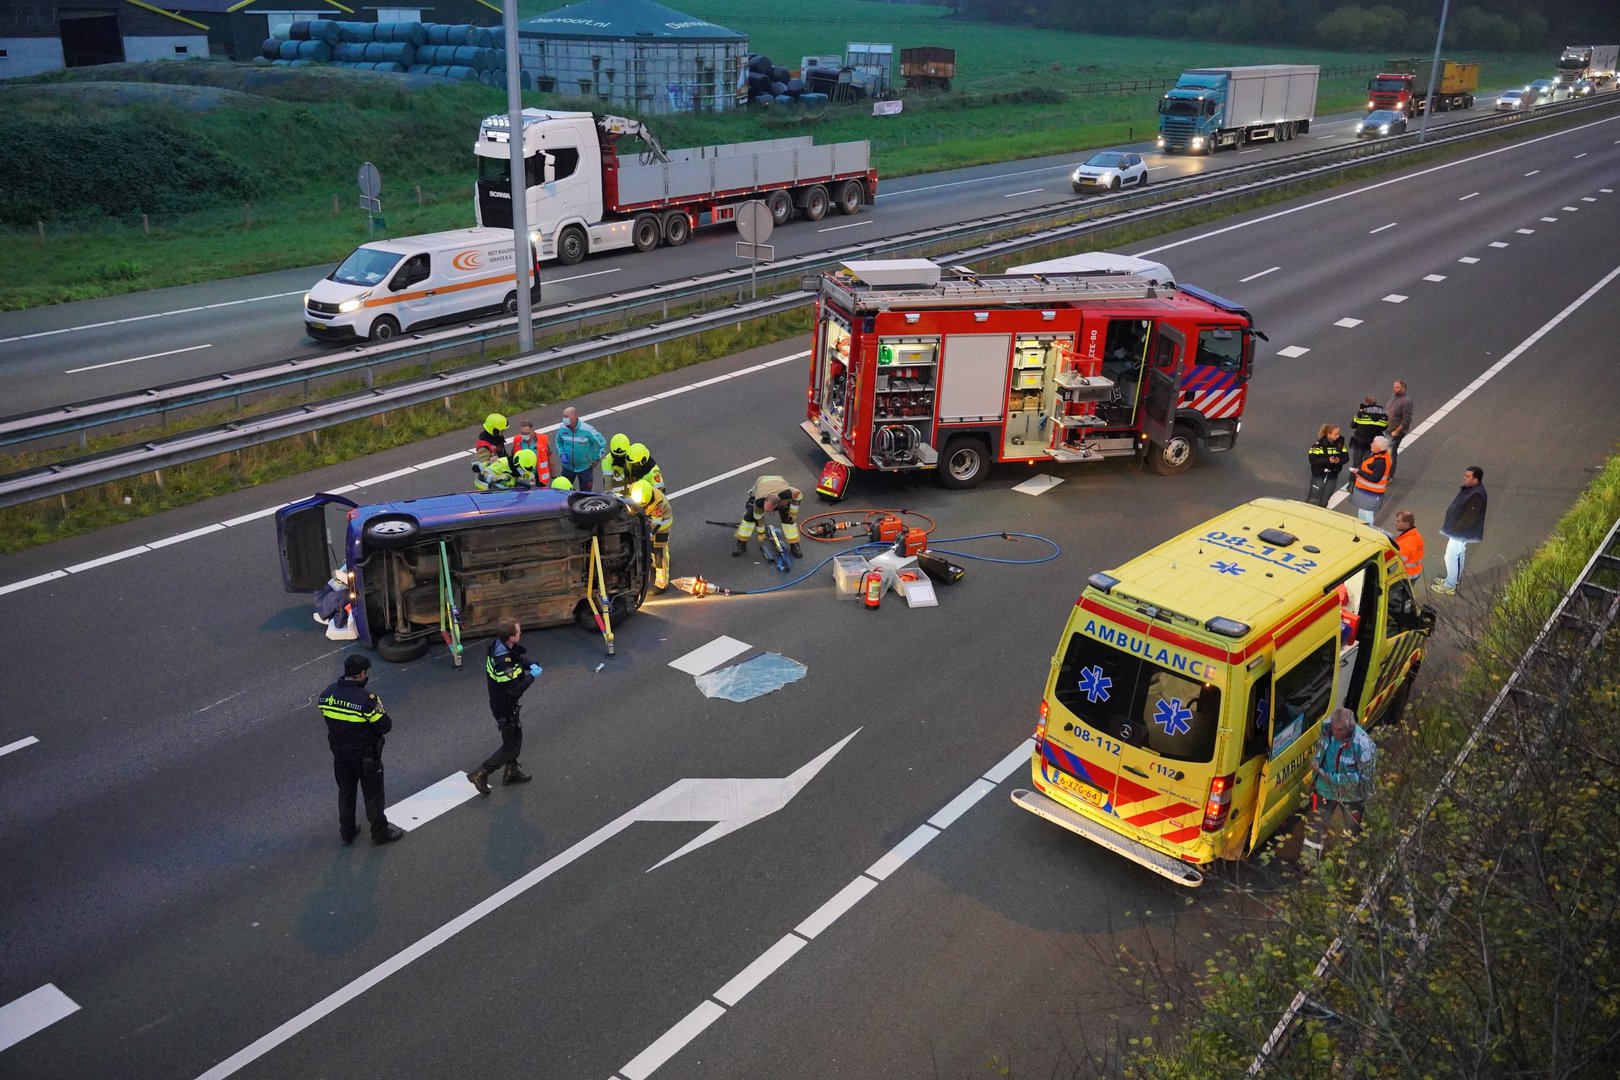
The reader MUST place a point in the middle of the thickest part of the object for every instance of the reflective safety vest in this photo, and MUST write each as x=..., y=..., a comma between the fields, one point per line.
x=1364, y=479
x=1410, y=545
x=496, y=475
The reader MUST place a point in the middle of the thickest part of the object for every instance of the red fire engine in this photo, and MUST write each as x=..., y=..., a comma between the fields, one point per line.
x=909, y=371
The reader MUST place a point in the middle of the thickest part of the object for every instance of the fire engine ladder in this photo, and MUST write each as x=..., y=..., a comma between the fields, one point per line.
x=1081, y=387
x=1007, y=290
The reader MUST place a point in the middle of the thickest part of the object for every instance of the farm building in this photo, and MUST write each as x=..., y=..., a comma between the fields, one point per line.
x=634, y=53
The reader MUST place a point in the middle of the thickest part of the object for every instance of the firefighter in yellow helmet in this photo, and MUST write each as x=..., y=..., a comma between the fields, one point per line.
x=525, y=465
x=661, y=516
x=493, y=475
x=491, y=442
x=771, y=494
x=643, y=467
x=616, y=465
x=562, y=483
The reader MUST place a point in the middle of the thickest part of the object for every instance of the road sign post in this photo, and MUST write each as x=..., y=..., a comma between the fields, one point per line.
x=370, y=181
x=754, y=225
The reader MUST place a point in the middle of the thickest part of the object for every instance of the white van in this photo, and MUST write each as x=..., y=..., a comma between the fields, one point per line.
x=390, y=286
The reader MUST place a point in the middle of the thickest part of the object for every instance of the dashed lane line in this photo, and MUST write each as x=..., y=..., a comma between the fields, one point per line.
x=20, y=744
x=1261, y=274
x=33, y=1012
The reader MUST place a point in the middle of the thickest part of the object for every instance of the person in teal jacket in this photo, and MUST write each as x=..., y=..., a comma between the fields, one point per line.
x=578, y=447
x=1344, y=765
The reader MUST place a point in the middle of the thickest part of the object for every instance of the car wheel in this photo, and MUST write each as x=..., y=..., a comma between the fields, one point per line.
x=591, y=508
x=964, y=463
x=1113, y=185
x=391, y=531
x=620, y=607
x=572, y=245
x=509, y=305
x=395, y=651
x=384, y=329
x=1174, y=457
x=851, y=197
x=1142, y=182
x=677, y=229
x=815, y=203
x=780, y=205
x=646, y=232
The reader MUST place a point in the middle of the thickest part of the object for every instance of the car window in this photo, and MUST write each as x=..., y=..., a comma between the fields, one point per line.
x=1105, y=161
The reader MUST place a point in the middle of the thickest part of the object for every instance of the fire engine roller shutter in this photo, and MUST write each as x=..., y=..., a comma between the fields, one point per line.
x=973, y=376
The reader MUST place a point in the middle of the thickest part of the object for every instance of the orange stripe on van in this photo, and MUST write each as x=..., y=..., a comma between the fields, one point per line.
x=441, y=290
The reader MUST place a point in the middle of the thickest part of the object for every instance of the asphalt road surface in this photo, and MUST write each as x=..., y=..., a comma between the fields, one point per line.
x=176, y=902
x=121, y=344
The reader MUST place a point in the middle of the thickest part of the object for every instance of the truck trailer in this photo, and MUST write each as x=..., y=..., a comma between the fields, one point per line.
x=912, y=370
x=1404, y=85
x=1595, y=62
x=585, y=196
x=1209, y=108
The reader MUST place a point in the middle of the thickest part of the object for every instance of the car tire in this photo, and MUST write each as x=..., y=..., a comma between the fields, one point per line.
x=386, y=328
x=592, y=508
x=1143, y=181
x=1114, y=184
x=391, y=532
x=572, y=246
x=815, y=203
x=509, y=306
x=395, y=651
x=1176, y=456
x=646, y=232
x=850, y=197
x=964, y=464
x=677, y=229
x=780, y=205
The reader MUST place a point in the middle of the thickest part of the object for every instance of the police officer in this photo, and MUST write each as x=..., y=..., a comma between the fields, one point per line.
x=1369, y=422
x=661, y=516
x=771, y=494
x=355, y=726
x=507, y=675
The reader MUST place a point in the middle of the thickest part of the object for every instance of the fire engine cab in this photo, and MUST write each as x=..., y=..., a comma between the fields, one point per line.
x=911, y=369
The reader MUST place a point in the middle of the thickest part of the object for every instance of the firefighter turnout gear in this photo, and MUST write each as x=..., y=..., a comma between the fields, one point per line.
x=650, y=501
x=491, y=441
x=530, y=470
x=771, y=493
x=616, y=465
x=355, y=725
x=494, y=475
x=643, y=467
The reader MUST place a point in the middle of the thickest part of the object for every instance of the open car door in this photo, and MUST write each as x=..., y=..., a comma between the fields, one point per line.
x=305, y=543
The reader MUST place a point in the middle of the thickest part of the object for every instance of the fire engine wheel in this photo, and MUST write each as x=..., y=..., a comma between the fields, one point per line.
x=676, y=229
x=390, y=531
x=395, y=651
x=384, y=329
x=780, y=206
x=646, y=232
x=851, y=196
x=572, y=245
x=815, y=203
x=964, y=463
x=1174, y=457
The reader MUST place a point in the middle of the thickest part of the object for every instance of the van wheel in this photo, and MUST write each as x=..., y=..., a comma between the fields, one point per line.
x=1174, y=457
x=646, y=232
x=1397, y=706
x=395, y=651
x=509, y=305
x=677, y=229
x=391, y=531
x=850, y=197
x=589, y=508
x=815, y=203
x=572, y=245
x=964, y=463
x=780, y=206
x=384, y=329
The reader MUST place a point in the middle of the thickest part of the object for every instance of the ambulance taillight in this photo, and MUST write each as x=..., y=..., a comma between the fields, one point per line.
x=1040, y=725
x=1219, y=802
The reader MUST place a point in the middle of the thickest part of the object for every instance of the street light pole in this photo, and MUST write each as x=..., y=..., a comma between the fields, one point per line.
x=1434, y=70
x=522, y=248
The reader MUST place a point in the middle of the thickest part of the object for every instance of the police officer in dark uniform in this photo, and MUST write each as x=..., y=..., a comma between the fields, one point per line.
x=355, y=726
x=507, y=675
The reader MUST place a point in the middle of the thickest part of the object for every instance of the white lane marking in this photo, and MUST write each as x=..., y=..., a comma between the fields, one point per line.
x=1499, y=243
x=840, y=902
x=961, y=804
x=1038, y=484
x=1293, y=351
x=231, y=523
x=1031, y=191
x=1381, y=228
x=581, y=277
x=1434, y=277
x=1549, y=220
x=1580, y=155
x=904, y=850
x=1587, y=198
x=431, y=801
x=1395, y=298
x=446, y=460
x=1494, y=370
x=138, y=318
x=636, y=404
x=29, y=583
x=1532, y=172
x=1256, y=150
x=34, y=1011
x=395, y=475
x=701, y=484
x=180, y=538
x=1402, y=179
x=1468, y=260
x=851, y=225
x=1261, y=274
x=18, y=745
x=710, y=656
x=79, y=568
x=1319, y=138
x=670, y=1042
x=1570, y=209
x=1525, y=232
x=1348, y=323
x=1017, y=758
x=975, y=180
x=1607, y=190
x=133, y=359
x=760, y=969
x=1470, y=195
x=344, y=490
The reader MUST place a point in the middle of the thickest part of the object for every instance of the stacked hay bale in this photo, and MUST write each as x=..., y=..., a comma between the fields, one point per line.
x=461, y=52
x=775, y=86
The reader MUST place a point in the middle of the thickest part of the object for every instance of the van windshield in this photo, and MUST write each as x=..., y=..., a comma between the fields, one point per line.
x=366, y=266
x=1168, y=712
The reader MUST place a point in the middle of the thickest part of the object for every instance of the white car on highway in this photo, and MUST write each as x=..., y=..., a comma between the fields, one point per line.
x=1515, y=100
x=1110, y=171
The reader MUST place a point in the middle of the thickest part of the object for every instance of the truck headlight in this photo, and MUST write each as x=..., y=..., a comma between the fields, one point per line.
x=1371, y=105
x=1198, y=142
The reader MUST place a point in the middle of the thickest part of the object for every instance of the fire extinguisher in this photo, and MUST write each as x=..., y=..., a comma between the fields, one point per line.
x=872, y=589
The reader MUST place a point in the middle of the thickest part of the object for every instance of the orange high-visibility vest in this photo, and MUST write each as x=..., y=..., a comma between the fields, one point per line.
x=1410, y=545
x=1375, y=486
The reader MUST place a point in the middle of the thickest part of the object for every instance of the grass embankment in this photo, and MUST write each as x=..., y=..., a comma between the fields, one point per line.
x=1491, y=952
x=236, y=168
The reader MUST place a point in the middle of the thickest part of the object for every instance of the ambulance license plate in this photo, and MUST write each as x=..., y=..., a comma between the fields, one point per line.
x=1095, y=796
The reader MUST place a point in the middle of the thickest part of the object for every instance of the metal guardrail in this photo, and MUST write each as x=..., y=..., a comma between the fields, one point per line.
x=119, y=463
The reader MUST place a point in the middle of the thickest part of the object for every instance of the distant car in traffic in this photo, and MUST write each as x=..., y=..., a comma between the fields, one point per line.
x=1515, y=100
x=1110, y=171
x=1548, y=91
x=1582, y=88
x=1381, y=122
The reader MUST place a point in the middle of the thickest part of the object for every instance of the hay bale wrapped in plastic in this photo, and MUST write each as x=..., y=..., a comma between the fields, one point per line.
x=357, y=31
x=462, y=72
x=389, y=66
x=408, y=33
x=325, y=30
x=461, y=34
x=316, y=52
x=795, y=87
x=349, y=52
x=271, y=50
x=298, y=30
x=391, y=52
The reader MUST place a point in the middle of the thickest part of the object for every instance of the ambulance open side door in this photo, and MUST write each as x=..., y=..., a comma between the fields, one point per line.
x=1164, y=384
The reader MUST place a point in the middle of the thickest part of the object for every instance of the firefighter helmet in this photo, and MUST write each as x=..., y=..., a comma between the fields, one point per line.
x=562, y=483
x=526, y=459
x=639, y=454
x=619, y=445
x=641, y=493
x=494, y=422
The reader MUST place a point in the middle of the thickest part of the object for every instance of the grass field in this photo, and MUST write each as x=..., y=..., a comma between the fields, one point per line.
x=286, y=142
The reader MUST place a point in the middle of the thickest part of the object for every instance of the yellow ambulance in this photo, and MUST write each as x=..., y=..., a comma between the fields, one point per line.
x=1190, y=685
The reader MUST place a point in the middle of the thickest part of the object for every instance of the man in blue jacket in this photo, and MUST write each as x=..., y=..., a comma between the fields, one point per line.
x=579, y=447
x=1464, y=525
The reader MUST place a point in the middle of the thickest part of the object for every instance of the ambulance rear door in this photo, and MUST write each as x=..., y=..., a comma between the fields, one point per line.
x=1302, y=695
